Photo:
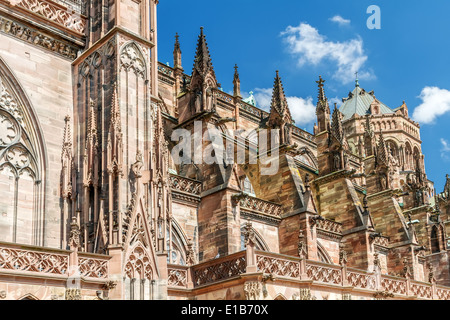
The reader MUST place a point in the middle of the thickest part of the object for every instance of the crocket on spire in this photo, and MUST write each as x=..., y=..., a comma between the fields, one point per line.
x=202, y=60
x=279, y=103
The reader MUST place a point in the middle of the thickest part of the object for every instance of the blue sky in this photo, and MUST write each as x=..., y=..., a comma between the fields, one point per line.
x=407, y=59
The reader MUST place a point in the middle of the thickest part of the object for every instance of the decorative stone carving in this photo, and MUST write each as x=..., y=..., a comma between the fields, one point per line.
x=252, y=290
x=132, y=59
x=73, y=294
x=3, y=294
x=190, y=254
x=302, y=248
x=305, y=294
x=37, y=38
x=71, y=20
x=74, y=237
x=346, y=296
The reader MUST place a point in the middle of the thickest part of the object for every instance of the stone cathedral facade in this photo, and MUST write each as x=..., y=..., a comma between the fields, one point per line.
x=93, y=204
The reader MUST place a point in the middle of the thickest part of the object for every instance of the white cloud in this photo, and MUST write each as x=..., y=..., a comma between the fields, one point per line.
x=445, y=149
x=435, y=102
x=339, y=20
x=310, y=47
x=302, y=110
x=334, y=100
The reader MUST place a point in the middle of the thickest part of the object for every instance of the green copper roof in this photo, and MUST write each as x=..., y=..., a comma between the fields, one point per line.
x=359, y=102
x=250, y=100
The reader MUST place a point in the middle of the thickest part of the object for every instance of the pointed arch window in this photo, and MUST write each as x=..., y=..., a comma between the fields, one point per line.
x=21, y=165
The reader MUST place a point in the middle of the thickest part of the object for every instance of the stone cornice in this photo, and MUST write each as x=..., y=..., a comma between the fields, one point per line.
x=333, y=176
x=37, y=38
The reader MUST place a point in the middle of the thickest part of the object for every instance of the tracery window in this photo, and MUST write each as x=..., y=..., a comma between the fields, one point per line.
x=176, y=248
x=20, y=168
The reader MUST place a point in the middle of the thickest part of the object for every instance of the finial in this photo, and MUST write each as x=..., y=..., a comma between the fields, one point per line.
x=251, y=93
x=201, y=30
x=356, y=81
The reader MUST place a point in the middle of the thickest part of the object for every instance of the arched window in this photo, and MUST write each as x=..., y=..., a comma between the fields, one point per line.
x=322, y=254
x=434, y=240
x=21, y=165
x=408, y=156
x=176, y=246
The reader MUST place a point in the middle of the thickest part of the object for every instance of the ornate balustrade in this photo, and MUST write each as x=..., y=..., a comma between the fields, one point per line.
x=93, y=266
x=360, y=279
x=177, y=276
x=223, y=96
x=443, y=293
x=251, y=110
x=393, y=284
x=186, y=185
x=261, y=206
x=68, y=15
x=381, y=241
x=324, y=272
x=40, y=261
x=278, y=265
x=329, y=226
x=302, y=133
x=166, y=70
x=219, y=269
x=289, y=267
x=421, y=290
x=33, y=259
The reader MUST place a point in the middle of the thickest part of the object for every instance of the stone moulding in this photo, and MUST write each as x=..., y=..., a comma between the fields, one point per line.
x=37, y=38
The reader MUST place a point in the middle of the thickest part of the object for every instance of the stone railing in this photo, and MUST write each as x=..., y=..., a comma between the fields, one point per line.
x=278, y=265
x=186, y=185
x=360, y=279
x=251, y=109
x=56, y=13
x=422, y=290
x=323, y=272
x=302, y=133
x=294, y=268
x=39, y=261
x=381, y=241
x=223, y=96
x=93, y=266
x=393, y=284
x=166, y=70
x=329, y=226
x=219, y=269
x=261, y=206
x=443, y=293
x=177, y=276
x=33, y=259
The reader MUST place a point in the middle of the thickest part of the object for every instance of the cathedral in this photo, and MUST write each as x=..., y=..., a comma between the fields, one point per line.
x=100, y=202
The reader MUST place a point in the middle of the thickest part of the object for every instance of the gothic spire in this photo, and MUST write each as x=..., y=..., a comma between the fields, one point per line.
x=236, y=83
x=382, y=153
x=202, y=61
x=336, y=125
x=67, y=137
x=279, y=103
x=322, y=99
x=177, y=53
